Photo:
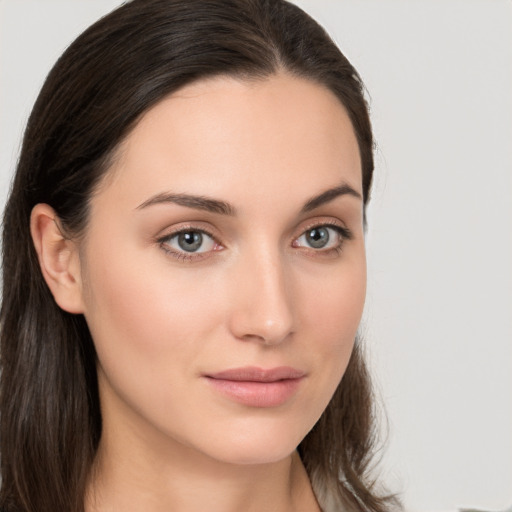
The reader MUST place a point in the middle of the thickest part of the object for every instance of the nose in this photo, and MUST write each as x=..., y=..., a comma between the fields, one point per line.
x=262, y=308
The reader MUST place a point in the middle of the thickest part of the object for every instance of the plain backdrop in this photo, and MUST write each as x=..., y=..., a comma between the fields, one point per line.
x=438, y=322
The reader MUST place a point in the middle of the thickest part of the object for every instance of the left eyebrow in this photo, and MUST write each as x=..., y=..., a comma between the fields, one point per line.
x=329, y=195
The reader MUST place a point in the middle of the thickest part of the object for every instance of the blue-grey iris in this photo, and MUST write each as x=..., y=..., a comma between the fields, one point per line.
x=317, y=237
x=190, y=241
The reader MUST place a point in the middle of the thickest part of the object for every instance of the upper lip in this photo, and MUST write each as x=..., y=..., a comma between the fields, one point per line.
x=255, y=374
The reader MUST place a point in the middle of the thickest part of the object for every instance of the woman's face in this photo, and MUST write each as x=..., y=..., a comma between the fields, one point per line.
x=223, y=269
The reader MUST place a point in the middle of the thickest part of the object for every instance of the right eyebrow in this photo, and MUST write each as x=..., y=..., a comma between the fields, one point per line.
x=190, y=201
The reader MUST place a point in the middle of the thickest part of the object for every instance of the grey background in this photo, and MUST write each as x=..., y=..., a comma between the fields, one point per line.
x=438, y=321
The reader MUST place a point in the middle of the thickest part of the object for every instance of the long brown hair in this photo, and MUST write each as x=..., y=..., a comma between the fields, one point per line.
x=121, y=66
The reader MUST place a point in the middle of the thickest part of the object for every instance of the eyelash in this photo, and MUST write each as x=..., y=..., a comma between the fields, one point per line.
x=344, y=233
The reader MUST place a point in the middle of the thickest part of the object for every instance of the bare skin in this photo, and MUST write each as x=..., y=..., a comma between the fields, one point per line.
x=227, y=234
x=217, y=488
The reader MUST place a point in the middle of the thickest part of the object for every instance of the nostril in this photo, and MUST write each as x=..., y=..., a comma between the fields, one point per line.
x=252, y=327
x=267, y=339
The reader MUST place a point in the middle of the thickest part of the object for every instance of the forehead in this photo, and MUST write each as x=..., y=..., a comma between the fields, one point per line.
x=282, y=132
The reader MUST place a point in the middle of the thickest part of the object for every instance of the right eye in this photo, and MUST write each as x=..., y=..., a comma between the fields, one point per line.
x=187, y=242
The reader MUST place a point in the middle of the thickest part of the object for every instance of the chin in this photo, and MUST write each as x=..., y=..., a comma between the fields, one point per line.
x=255, y=444
x=256, y=455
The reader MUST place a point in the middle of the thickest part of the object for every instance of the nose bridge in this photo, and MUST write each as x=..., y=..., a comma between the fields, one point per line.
x=262, y=306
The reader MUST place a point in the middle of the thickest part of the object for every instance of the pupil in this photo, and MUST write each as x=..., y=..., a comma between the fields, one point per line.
x=190, y=241
x=318, y=237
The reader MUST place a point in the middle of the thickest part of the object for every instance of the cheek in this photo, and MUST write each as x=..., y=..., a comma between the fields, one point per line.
x=334, y=301
x=146, y=309
x=331, y=310
x=330, y=305
x=149, y=334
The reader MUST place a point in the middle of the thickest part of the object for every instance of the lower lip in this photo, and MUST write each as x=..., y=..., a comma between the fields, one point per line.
x=257, y=394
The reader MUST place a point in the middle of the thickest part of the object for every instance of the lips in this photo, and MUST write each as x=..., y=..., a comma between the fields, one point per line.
x=257, y=387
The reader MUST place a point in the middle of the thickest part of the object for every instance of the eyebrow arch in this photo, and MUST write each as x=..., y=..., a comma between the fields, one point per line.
x=191, y=201
x=329, y=195
x=223, y=208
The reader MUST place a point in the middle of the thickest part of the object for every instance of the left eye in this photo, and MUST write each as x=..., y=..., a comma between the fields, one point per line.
x=190, y=241
x=320, y=237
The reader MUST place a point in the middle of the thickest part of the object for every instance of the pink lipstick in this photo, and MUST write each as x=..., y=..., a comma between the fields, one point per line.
x=257, y=387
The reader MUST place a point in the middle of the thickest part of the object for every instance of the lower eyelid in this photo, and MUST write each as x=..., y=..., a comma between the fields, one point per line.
x=184, y=256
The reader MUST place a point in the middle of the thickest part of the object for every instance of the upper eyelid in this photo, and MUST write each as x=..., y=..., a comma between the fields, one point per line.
x=322, y=223
x=170, y=232
x=199, y=226
x=331, y=223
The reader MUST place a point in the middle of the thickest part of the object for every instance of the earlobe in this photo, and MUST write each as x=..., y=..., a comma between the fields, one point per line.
x=58, y=258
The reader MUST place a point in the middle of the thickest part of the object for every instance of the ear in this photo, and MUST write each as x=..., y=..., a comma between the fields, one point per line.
x=58, y=257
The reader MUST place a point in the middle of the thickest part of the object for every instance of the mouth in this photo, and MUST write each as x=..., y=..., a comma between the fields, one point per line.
x=257, y=387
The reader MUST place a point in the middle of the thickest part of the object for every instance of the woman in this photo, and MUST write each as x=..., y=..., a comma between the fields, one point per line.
x=189, y=210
